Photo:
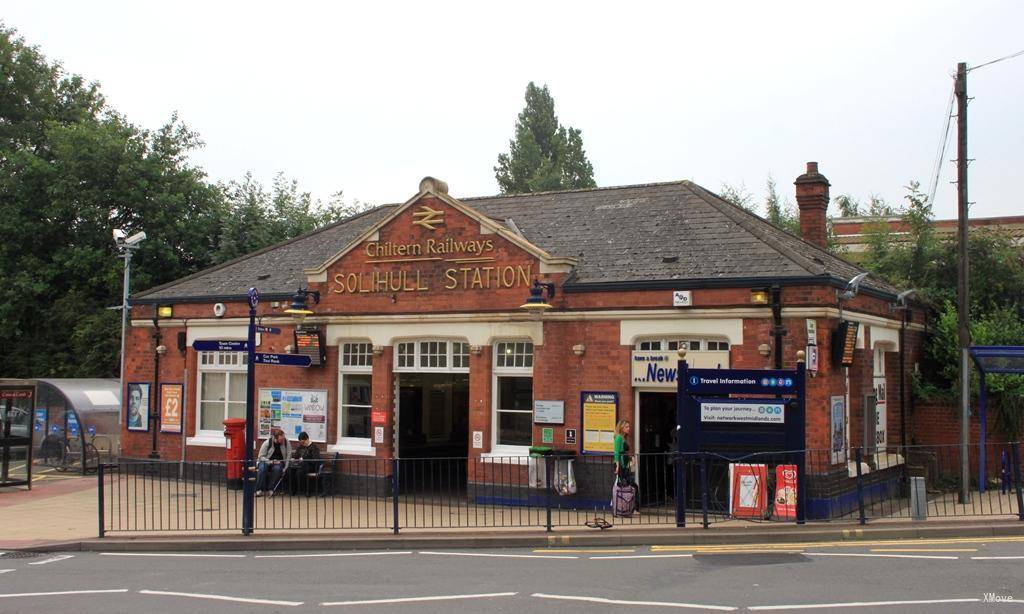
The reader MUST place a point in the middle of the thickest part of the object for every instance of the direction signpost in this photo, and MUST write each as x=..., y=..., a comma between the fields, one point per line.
x=281, y=360
x=220, y=346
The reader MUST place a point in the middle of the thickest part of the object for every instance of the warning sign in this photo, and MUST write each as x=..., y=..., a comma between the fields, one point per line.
x=599, y=412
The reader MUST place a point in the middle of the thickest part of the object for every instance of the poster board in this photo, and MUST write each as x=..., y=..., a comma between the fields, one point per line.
x=785, y=492
x=138, y=407
x=549, y=412
x=599, y=410
x=310, y=342
x=837, y=411
x=748, y=490
x=293, y=411
x=170, y=407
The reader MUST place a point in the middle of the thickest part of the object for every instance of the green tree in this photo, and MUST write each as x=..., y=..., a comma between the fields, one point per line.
x=544, y=155
x=72, y=170
x=780, y=212
x=739, y=196
x=917, y=258
x=254, y=218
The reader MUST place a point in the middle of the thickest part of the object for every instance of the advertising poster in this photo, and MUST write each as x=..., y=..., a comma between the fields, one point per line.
x=599, y=412
x=785, y=492
x=41, y=418
x=293, y=411
x=837, y=409
x=138, y=407
x=170, y=408
x=748, y=496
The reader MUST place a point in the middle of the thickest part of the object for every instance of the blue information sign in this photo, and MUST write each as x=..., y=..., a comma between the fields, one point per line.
x=270, y=330
x=282, y=360
x=220, y=346
x=748, y=381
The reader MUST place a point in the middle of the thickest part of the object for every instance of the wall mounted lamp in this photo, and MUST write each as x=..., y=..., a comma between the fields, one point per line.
x=579, y=349
x=764, y=350
x=759, y=296
x=299, y=308
x=165, y=311
x=537, y=304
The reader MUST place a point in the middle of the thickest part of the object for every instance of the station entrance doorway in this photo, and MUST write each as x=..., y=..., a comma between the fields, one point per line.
x=433, y=415
x=656, y=443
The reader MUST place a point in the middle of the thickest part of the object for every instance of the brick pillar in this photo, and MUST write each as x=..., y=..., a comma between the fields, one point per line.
x=480, y=398
x=812, y=199
x=384, y=398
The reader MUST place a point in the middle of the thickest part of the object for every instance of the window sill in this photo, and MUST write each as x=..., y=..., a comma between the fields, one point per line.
x=353, y=450
x=510, y=455
x=208, y=440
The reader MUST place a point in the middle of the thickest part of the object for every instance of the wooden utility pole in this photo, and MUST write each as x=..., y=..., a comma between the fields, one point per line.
x=963, y=298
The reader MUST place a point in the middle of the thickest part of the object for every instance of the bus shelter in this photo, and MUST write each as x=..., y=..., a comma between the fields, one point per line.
x=992, y=360
x=16, y=401
x=74, y=422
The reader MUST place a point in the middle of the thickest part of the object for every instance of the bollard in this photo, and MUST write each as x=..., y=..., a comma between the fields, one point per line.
x=860, y=487
x=918, y=498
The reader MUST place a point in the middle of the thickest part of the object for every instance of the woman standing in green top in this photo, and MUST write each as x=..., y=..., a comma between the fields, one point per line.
x=623, y=459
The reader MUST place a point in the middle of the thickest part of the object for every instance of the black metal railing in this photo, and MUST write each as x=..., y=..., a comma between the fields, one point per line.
x=916, y=482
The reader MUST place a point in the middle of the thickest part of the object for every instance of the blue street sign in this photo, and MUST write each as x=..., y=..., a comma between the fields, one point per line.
x=270, y=330
x=282, y=360
x=749, y=381
x=220, y=346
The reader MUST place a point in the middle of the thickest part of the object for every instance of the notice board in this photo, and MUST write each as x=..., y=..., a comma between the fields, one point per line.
x=600, y=410
x=293, y=411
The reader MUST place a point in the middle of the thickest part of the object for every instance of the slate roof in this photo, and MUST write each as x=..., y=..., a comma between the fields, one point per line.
x=674, y=234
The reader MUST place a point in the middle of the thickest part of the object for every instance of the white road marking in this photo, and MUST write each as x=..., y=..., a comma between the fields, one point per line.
x=414, y=599
x=2, y=571
x=85, y=592
x=996, y=558
x=173, y=554
x=885, y=556
x=664, y=604
x=642, y=556
x=302, y=556
x=504, y=556
x=61, y=557
x=222, y=598
x=859, y=604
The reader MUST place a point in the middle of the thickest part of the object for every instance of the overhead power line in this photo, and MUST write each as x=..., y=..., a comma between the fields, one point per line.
x=989, y=63
x=940, y=155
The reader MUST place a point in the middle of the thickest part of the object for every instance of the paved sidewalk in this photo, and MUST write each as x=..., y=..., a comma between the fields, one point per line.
x=59, y=508
x=60, y=513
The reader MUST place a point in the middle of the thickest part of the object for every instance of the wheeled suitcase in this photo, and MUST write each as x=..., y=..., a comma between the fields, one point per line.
x=623, y=499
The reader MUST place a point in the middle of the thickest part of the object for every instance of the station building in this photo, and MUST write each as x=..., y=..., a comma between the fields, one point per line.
x=428, y=352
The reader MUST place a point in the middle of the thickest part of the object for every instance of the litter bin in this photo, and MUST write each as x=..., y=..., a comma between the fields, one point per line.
x=234, y=432
x=537, y=466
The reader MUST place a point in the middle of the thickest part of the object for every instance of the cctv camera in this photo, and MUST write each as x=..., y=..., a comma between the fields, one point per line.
x=135, y=238
x=901, y=298
x=853, y=287
x=118, y=235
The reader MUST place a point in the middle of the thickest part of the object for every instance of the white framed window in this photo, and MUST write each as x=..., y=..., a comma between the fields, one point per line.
x=355, y=394
x=436, y=355
x=718, y=346
x=512, y=420
x=222, y=387
x=690, y=345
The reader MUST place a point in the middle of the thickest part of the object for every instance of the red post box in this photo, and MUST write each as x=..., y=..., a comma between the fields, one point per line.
x=234, y=432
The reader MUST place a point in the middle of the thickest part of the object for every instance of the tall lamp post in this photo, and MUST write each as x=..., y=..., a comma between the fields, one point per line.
x=126, y=245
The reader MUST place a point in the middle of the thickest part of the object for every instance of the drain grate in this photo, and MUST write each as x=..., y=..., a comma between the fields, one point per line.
x=18, y=554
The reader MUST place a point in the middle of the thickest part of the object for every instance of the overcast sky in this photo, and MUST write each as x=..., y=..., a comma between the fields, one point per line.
x=368, y=97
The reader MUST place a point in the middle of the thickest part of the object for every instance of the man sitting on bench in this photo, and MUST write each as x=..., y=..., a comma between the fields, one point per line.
x=271, y=458
x=305, y=460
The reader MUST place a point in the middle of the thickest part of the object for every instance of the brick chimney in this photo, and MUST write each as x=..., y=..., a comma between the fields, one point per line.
x=812, y=199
